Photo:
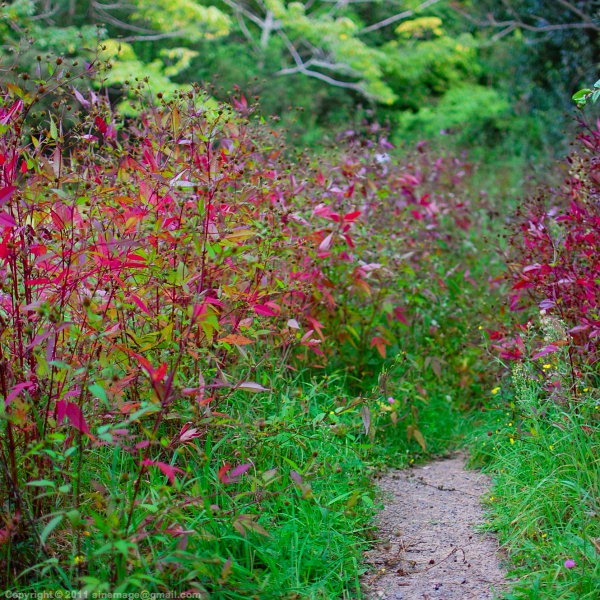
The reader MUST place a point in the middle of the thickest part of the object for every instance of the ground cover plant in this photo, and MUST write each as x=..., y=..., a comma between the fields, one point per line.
x=211, y=341
x=542, y=441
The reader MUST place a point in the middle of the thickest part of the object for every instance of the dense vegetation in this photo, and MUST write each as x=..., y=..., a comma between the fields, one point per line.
x=228, y=306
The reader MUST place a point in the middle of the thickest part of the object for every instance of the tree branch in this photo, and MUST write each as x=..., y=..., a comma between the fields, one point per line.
x=302, y=67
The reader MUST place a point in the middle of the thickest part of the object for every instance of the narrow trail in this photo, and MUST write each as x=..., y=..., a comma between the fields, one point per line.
x=430, y=549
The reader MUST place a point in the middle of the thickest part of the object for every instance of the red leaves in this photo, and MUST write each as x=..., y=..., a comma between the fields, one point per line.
x=6, y=194
x=101, y=125
x=380, y=342
x=222, y=473
x=76, y=418
x=166, y=469
x=261, y=309
x=141, y=304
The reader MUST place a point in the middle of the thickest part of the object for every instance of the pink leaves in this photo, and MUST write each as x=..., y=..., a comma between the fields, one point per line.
x=269, y=309
x=544, y=351
x=80, y=98
x=7, y=220
x=251, y=386
x=16, y=391
x=234, y=476
x=14, y=110
x=166, y=469
x=141, y=304
x=74, y=415
x=76, y=418
x=326, y=243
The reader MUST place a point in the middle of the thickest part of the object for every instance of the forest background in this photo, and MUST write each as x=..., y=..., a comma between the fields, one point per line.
x=493, y=77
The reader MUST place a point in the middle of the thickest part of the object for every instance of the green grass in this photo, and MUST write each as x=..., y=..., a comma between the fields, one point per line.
x=302, y=536
x=542, y=447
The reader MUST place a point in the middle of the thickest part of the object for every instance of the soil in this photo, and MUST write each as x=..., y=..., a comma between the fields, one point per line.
x=430, y=547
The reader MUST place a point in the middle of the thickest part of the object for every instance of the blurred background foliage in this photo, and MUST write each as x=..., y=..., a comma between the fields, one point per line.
x=494, y=77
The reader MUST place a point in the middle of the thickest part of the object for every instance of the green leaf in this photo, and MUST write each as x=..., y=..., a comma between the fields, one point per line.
x=41, y=483
x=50, y=528
x=98, y=391
x=352, y=500
x=53, y=130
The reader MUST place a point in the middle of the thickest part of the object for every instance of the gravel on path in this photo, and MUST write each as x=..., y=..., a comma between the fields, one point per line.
x=429, y=548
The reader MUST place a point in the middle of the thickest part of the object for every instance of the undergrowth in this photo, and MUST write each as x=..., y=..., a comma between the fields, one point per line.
x=212, y=343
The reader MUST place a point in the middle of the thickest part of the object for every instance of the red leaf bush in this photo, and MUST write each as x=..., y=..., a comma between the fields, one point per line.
x=555, y=263
x=156, y=270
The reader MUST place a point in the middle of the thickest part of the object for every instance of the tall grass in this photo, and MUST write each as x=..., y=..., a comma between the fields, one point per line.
x=542, y=446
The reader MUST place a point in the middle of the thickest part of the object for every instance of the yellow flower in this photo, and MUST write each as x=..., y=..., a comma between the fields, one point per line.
x=512, y=441
x=480, y=327
x=510, y=424
x=547, y=366
x=586, y=389
x=544, y=536
x=495, y=390
x=79, y=559
x=550, y=447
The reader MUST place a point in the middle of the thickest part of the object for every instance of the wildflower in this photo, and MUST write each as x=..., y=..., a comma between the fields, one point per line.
x=550, y=447
x=510, y=424
x=569, y=564
x=391, y=400
x=79, y=559
x=495, y=390
x=544, y=535
x=480, y=327
x=547, y=366
x=512, y=441
x=586, y=389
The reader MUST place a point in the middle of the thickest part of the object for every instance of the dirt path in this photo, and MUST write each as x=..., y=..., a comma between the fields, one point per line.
x=430, y=549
